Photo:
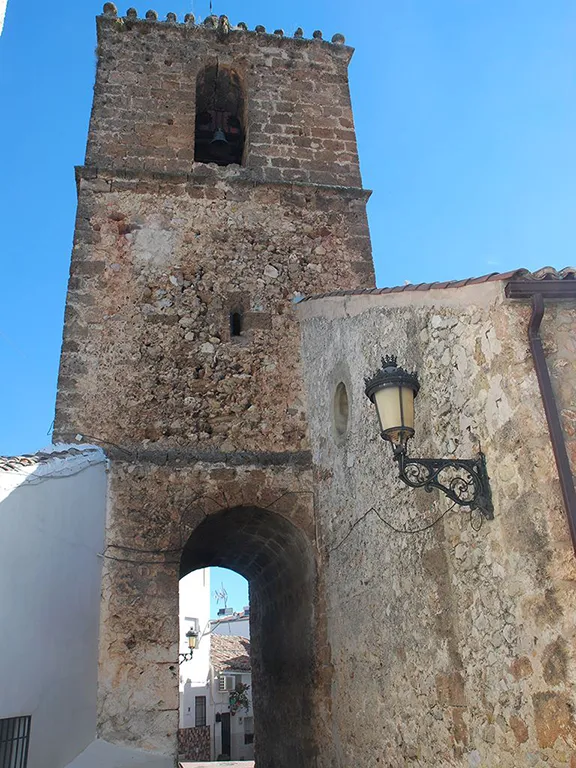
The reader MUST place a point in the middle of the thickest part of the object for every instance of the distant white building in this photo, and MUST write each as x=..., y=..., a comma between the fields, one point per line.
x=230, y=623
x=194, y=614
x=220, y=709
x=212, y=723
x=231, y=672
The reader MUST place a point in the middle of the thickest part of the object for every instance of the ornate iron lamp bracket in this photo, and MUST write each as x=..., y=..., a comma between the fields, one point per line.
x=184, y=657
x=464, y=481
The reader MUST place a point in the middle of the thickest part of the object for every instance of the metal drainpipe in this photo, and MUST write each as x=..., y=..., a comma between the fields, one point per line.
x=552, y=415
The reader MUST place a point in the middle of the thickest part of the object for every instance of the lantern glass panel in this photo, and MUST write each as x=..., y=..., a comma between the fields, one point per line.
x=387, y=402
x=408, y=407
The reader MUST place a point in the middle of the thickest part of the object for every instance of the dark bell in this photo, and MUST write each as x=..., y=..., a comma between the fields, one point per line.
x=219, y=138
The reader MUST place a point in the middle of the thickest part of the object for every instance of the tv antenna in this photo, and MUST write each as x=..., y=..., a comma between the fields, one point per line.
x=221, y=595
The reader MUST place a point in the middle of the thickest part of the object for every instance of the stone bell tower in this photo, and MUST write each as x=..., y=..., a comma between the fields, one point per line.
x=221, y=183
x=179, y=326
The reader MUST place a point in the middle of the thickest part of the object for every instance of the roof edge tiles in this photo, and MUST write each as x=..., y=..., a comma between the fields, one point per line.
x=58, y=451
x=230, y=653
x=545, y=273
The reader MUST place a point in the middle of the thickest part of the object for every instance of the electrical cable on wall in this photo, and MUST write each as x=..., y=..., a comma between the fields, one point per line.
x=475, y=525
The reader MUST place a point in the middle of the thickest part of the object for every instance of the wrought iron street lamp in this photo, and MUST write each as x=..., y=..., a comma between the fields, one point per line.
x=192, y=636
x=465, y=481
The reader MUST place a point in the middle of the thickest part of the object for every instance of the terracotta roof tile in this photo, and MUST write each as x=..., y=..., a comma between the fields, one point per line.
x=17, y=463
x=229, y=653
x=545, y=273
x=14, y=463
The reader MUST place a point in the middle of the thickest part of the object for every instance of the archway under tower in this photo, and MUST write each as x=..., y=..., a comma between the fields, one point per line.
x=277, y=559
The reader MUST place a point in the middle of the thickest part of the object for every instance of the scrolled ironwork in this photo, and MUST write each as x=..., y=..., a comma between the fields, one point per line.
x=464, y=481
x=184, y=657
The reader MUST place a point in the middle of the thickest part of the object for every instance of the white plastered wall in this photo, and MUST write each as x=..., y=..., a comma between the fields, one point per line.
x=52, y=518
x=195, y=609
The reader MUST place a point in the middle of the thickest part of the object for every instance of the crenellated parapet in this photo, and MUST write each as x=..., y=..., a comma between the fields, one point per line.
x=220, y=24
x=170, y=93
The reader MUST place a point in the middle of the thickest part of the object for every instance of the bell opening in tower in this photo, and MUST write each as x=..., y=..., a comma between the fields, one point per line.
x=219, y=134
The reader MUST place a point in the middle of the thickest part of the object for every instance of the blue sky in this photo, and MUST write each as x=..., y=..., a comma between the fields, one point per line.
x=466, y=120
x=235, y=585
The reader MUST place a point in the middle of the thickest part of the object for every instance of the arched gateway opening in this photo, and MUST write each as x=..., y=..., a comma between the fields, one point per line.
x=277, y=560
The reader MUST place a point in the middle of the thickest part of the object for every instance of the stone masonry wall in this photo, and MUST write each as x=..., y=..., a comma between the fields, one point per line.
x=298, y=114
x=158, y=267
x=150, y=371
x=199, y=422
x=462, y=635
x=156, y=506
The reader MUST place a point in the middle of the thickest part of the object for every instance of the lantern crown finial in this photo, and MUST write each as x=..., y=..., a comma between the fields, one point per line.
x=391, y=374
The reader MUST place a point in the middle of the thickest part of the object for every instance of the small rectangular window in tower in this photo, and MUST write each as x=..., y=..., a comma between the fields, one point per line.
x=235, y=323
x=200, y=718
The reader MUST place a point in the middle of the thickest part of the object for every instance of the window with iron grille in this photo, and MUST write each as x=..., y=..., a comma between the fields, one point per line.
x=14, y=740
x=200, y=718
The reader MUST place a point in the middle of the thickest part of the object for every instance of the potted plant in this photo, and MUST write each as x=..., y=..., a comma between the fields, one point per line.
x=239, y=698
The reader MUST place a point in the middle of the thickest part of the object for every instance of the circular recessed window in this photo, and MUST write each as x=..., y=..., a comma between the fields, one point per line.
x=341, y=409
